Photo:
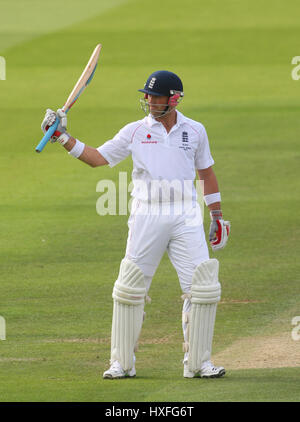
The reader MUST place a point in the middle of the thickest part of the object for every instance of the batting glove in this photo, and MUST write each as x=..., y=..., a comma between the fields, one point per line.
x=60, y=134
x=219, y=230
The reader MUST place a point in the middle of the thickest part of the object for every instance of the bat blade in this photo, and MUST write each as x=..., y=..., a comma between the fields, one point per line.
x=79, y=87
x=84, y=79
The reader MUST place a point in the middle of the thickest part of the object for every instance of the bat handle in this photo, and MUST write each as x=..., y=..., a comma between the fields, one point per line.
x=47, y=136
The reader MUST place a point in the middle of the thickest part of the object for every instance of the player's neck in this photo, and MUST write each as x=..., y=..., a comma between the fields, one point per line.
x=169, y=120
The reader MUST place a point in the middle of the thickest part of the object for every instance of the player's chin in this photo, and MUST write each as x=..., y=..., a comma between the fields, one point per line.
x=155, y=112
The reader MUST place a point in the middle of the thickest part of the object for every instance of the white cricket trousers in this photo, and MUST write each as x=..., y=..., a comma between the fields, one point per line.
x=152, y=231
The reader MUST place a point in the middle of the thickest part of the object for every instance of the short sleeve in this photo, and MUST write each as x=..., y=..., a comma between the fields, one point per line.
x=117, y=149
x=203, y=158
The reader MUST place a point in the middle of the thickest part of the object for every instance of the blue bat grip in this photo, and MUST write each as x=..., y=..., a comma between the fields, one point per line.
x=47, y=136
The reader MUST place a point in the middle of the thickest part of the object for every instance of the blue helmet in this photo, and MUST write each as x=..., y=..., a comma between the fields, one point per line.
x=163, y=83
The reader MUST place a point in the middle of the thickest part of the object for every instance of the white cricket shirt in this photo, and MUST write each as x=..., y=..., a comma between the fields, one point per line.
x=161, y=160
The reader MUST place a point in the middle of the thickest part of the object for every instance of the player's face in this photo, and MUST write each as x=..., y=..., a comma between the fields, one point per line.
x=157, y=104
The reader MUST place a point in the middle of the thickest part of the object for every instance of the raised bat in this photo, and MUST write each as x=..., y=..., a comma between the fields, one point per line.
x=81, y=84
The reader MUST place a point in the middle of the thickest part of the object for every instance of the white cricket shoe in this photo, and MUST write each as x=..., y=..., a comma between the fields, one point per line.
x=116, y=371
x=208, y=370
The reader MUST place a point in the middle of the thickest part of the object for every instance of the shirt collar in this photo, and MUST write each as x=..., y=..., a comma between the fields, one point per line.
x=151, y=121
x=180, y=118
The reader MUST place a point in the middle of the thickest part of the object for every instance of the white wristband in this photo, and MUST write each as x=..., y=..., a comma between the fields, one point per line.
x=212, y=198
x=77, y=149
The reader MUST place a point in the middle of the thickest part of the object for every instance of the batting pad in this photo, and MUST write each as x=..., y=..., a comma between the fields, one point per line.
x=129, y=298
x=205, y=294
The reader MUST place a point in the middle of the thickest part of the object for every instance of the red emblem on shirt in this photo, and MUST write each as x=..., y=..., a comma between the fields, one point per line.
x=149, y=140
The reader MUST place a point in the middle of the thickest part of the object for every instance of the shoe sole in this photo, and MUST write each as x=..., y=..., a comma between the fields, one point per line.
x=109, y=377
x=218, y=375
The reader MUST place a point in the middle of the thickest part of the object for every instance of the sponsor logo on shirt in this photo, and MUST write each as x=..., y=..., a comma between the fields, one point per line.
x=149, y=141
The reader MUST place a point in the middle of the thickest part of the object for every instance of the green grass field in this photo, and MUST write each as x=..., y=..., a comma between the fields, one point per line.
x=59, y=258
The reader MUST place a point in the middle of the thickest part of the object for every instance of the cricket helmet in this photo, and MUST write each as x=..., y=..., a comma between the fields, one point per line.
x=163, y=83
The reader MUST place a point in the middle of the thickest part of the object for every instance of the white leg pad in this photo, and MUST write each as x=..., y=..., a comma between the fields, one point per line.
x=205, y=294
x=129, y=298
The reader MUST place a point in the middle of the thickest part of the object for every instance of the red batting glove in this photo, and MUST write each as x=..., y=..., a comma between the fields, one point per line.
x=219, y=230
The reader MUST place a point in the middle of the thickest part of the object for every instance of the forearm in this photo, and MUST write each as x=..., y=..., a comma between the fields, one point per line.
x=90, y=155
x=210, y=186
x=219, y=229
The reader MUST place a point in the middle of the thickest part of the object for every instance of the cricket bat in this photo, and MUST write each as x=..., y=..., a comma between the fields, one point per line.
x=81, y=84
